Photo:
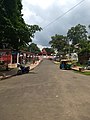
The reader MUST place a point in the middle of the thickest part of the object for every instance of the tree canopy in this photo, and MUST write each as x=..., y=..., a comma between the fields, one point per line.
x=14, y=32
x=77, y=34
x=49, y=51
x=58, y=42
x=33, y=48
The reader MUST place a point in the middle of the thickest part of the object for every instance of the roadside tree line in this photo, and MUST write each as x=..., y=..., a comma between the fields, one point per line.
x=77, y=40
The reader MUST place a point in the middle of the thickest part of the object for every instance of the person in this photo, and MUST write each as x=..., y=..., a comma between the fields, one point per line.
x=62, y=66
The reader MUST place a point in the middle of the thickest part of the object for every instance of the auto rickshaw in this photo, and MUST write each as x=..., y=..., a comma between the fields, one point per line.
x=65, y=64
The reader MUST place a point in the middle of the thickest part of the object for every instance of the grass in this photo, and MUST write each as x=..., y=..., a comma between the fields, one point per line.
x=83, y=65
x=84, y=73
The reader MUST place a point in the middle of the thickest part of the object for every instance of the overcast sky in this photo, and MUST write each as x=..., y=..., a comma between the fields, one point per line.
x=44, y=12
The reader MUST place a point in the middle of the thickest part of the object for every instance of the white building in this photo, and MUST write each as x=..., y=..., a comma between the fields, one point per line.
x=72, y=56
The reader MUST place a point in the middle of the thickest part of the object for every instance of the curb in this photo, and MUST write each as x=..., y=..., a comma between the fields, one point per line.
x=36, y=65
x=74, y=69
x=55, y=62
x=77, y=68
x=9, y=76
x=6, y=77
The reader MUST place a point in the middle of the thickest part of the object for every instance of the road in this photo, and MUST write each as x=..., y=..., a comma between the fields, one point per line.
x=46, y=93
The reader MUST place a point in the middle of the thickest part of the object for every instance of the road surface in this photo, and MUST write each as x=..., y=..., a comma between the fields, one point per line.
x=46, y=93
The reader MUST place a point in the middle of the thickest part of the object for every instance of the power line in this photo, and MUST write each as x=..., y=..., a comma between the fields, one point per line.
x=64, y=14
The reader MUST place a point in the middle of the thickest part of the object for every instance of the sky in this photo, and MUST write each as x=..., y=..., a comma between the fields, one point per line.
x=55, y=17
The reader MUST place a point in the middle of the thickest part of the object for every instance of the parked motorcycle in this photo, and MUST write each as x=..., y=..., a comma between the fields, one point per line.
x=22, y=69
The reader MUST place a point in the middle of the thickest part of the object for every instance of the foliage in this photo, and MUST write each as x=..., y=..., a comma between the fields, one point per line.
x=84, y=72
x=89, y=35
x=58, y=42
x=14, y=33
x=50, y=51
x=33, y=48
x=77, y=34
x=85, y=46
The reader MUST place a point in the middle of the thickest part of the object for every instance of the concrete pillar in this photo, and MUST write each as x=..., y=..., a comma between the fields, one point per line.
x=11, y=58
x=17, y=57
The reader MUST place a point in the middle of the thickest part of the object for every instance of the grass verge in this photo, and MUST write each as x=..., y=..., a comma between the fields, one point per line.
x=84, y=73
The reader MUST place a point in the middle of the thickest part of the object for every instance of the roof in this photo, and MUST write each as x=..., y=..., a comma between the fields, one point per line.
x=66, y=60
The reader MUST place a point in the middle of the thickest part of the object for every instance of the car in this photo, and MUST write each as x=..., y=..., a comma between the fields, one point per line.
x=22, y=69
x=65, y=64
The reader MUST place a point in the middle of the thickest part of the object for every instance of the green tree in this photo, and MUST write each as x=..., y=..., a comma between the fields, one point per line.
x=14, y=33
x=77, y=34
x=33, y=48
x=89, y=35
x=58, y=42
x=49, y=51
x=5, y=24
x=84, y=45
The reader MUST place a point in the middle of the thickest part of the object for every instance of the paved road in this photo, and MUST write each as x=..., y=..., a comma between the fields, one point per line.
x=46, y=93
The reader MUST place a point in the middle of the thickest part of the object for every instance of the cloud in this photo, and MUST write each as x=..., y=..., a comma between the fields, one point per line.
x=43, y=12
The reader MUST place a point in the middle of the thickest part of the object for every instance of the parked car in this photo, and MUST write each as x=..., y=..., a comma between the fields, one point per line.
x=22, y=69
x=65, y=64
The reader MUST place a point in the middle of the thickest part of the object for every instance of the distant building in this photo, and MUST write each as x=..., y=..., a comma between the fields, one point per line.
x=72, y=56
x=44, y=51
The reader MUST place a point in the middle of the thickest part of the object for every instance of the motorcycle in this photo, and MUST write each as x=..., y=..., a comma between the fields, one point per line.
x=22, y=69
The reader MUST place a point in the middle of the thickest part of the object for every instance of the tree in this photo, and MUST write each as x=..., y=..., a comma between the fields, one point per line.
x=84, y=53
x=14, y=32
x=58, y=42
x=77, y=34
x=33, y=48
x=89, y=28
x=4, y=24
x=49, y=51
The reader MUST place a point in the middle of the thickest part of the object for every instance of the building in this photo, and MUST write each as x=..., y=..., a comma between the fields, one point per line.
x=10, y=57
